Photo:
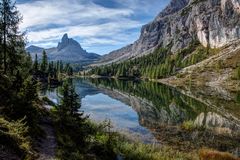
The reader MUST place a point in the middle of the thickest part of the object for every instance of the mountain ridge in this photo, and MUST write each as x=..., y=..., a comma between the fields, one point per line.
x=214, y=23
x=67, y=50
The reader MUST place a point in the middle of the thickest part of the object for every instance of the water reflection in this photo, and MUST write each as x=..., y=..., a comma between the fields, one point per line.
x=152, y=110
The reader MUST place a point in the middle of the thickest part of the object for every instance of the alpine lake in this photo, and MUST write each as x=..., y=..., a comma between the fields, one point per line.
x=151, y=112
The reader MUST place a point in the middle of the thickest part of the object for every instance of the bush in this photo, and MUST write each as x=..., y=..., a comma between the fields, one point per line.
x=237, y=73
x=188, y=125
x=208, y=154
x=15, y=135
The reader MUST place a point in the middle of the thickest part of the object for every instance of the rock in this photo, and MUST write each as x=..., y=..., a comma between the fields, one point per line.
x=214, y=23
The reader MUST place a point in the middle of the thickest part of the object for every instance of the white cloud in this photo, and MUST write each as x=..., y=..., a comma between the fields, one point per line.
x=66, y=12
x=47, y=20
x=110, y=30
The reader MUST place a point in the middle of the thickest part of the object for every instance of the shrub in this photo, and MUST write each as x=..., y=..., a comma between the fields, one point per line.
x=208, y=154
x=238, y=73
x=188, y=125
x=15, y=135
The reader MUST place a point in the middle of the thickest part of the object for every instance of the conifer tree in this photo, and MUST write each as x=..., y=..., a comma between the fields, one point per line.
x=70, y=104
x=35, y=65
x=44, y=62
x=12, y=43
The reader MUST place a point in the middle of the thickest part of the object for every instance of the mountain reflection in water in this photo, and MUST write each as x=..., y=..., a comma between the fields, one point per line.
x=152, y=111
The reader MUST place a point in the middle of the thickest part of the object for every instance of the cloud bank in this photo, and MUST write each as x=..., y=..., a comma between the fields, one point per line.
x=99, y=25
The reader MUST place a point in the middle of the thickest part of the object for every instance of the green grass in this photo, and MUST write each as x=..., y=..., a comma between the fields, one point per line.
x=101, y=143
x=139, y=151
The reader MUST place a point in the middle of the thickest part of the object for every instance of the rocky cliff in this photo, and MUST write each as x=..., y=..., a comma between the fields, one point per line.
x=214, y=23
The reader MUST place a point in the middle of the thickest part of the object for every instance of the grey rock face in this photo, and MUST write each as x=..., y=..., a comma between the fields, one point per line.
x=68, y=50
x=214, y=23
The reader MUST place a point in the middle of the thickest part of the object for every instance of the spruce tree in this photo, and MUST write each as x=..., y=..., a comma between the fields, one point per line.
x=12, y=44
x=35, y=65
x=44, y=62
x=70, y=104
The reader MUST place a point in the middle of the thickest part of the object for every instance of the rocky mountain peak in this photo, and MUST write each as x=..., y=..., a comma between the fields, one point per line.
x=68, y=50
x=174, y=6
x=65, y=38
x=68, y=42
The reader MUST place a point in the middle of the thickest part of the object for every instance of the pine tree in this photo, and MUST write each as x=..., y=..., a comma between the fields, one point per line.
x=12, y=44
x=35, y=65
x=70, y=104
x=44, y=62
x=61, y=67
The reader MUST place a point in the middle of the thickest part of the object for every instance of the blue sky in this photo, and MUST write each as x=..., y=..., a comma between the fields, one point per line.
x=99, y=25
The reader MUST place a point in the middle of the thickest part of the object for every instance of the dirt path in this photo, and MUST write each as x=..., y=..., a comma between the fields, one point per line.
x=47, y=145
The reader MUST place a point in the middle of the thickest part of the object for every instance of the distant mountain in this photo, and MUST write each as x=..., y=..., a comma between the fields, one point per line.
x=193, y=42
x=214, y=23
x=68, y=50
x=34, y=49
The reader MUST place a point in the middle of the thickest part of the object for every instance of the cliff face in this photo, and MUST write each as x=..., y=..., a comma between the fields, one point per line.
x=214, y=23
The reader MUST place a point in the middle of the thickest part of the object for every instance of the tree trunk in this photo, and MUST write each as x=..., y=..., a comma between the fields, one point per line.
x=4, y=39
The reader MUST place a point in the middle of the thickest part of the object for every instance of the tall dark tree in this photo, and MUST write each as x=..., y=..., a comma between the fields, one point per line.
x=44, y=61
x=70, y=103
x=35, y=65
x=12, y=43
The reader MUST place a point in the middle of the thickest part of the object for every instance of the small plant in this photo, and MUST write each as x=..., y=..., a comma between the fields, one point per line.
x=219, y=65
x=188, y=125
x=180, y=75
x=238, y=73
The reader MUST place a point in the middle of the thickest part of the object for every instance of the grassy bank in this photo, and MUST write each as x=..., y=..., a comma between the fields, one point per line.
x=103, y=144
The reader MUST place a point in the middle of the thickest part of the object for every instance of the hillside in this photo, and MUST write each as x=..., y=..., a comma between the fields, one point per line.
x=185, y=33
x=181, y=22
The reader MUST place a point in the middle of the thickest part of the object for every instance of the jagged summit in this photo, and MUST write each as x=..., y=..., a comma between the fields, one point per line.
x=173, y=7
x=70, y=45
x=66, y=42
x=68, y=50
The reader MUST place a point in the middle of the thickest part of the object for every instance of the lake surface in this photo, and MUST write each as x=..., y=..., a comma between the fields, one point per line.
x=154, y=113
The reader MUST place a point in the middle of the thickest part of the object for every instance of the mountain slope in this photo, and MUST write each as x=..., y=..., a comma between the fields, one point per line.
x=214, y=23
x=68, y=50
x=220, y=71
x=194, y=42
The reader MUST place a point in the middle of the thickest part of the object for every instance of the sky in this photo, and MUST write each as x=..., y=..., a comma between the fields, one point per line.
x=100, y=26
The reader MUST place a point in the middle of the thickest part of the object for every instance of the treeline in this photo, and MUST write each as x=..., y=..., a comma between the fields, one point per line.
x=50, y=72
x=159, y=64
x=159, y=95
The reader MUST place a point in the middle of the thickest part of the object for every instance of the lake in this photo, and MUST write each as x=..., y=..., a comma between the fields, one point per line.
x=155, y=113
